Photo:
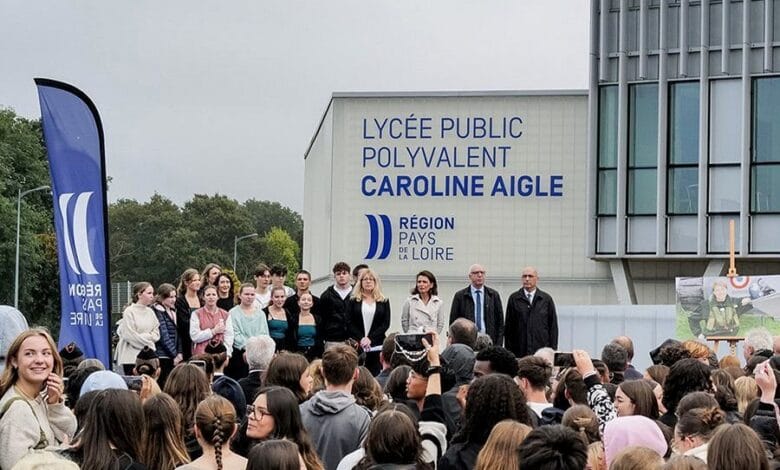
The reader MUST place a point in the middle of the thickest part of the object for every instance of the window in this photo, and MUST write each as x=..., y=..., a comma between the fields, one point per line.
x=642, y=149
x=765, y=148
x=608, y=151
x=683, y=173
x=724, y=161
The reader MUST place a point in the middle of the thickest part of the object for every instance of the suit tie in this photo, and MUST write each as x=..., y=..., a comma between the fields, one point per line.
x=530, y=299
x=478, y=309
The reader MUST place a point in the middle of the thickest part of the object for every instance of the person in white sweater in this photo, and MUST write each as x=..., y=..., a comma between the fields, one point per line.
x=138, y=327
x=32, y=410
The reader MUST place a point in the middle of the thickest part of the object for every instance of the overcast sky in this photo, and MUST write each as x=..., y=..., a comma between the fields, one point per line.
x=207, y=97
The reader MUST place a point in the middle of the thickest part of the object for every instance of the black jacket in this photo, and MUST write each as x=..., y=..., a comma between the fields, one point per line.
x=377, y=330
x=333, y=311
x=530, y=327
x=463, y=307
x=291, y=304
x=183, y=325
x=251, y=384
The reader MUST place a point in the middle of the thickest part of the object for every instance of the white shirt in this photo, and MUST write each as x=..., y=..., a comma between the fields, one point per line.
x=530, y=295
x=343, y=293
x=369, y=310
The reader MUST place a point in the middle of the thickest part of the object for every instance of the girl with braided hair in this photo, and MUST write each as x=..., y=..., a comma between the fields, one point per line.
x=215, y=424
x=694, y=430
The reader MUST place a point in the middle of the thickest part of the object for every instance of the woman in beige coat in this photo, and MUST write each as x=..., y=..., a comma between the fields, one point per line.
x=138, y=327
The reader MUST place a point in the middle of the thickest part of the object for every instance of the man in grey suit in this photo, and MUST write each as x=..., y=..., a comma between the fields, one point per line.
x=480, y=304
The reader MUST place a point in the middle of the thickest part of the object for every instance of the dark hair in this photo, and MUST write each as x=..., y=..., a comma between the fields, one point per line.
x=701, y=422
x=685, y=376
x=615, y=357
x=431, y=278
x=695, y=400
x=641, y=395
x=232, y=291
x=114, y=422
x=163, y=442
x=491, y=399
x=164, y=291
x=278, y=270
x=274, y=454
x=260, y=269
x=366, y=390
x=216, y=421
x=341, y=266
x=205, y=358
x=464, y=331
x=188, y=385
x=285, y=370
x=658, y=372
x=724, y=390
x=392, y=439
x=283, y=406
x=75, y=382
x=303, y=271
x=553, y=448
x=583, y=420
x=357, y=269
x=502, y=360
x=218, y=353
x=388, y=348
x=395, y=387
x=735, y=446
x=536, y=370
x=570, y=381
x=338, y=364
x=672, y=354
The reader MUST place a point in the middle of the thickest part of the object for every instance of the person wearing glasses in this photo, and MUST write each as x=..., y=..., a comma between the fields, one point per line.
x=274, y=414
x=481, y=305
x=168, y=347
x=531, y=320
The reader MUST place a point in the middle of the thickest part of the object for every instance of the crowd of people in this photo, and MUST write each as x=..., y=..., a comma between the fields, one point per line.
x=268, y=377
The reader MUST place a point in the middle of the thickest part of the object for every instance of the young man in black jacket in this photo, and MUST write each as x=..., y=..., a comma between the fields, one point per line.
x=333, y=306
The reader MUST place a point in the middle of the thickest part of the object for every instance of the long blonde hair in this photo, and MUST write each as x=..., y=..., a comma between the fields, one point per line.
x=357, y=291
x=500, y=450
x=10, y=373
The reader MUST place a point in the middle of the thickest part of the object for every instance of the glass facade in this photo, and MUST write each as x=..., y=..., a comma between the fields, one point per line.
x=642, y=148
x=608, y=150
x=683, y=174
x=765, y=154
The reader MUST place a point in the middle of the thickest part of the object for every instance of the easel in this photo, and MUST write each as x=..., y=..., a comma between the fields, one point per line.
x=732, y=273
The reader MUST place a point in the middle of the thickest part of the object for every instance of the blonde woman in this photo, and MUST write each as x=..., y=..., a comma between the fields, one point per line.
x=500, y=450
x=138, y=327
x=745, y=390
x=34, y=415
x=368, y=314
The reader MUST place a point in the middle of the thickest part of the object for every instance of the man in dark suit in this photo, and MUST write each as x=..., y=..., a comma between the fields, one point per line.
x=259, y=352
x=480, y=304
x=531, y=320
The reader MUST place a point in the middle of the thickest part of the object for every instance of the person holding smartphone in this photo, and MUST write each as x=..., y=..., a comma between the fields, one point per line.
x=33, y=414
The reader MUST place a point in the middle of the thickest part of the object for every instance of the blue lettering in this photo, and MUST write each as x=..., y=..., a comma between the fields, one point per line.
x=364, y=187
x=556, y=185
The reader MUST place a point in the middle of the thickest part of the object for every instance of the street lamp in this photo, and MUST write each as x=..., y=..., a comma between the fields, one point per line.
x=21, y=194
x=235, y=247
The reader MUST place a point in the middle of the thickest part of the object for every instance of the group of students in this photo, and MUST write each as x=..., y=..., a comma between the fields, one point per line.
x=471, y=405
x=207, y=310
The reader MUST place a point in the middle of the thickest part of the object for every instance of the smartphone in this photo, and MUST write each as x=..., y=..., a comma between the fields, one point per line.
x=134, y=382
x=563, y=359
x=413, y=341
x=201, y=364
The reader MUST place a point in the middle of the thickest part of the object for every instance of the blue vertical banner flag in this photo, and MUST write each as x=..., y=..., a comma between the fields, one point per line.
x=74, y=142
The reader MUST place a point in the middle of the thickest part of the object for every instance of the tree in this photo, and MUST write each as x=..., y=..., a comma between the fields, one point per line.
x=280, y=248
x=23, y=166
